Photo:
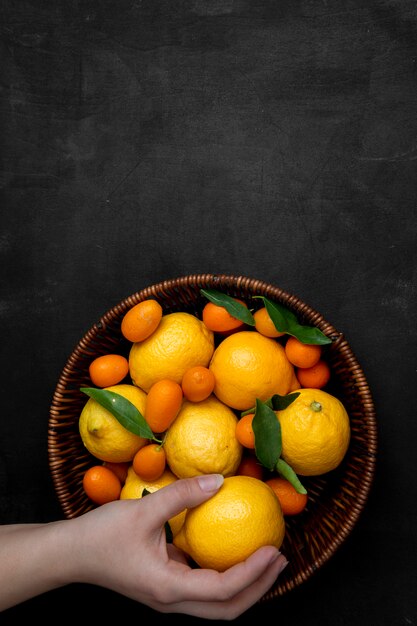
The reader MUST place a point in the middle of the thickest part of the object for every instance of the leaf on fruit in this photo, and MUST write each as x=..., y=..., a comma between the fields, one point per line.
x=275, y=402
x=288, y=473
x=232, y=306
x=267, y=431
x=268, y=442
x=279, y=403
x=123, y=410
x=286, y=322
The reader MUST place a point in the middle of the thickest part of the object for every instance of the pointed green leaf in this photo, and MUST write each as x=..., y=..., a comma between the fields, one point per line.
x=282, y=317
x=232, y=306
x=123, y=410
x=288, y=473
x=275, y=402
x=309, y=334
x=267, y=431
x=279, y=403
x=286, y=322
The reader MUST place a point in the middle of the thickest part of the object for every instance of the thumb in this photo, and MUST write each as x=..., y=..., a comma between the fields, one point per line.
x=183, y=494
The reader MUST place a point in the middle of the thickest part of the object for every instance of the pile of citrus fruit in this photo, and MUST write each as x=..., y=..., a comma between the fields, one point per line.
x=234, y=391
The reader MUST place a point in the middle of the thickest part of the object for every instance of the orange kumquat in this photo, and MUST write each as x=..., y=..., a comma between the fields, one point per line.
x=315, y=377
x=163, y=403
x=292, y=502
x=219, y=320
x=302, y=354
x=198, y=383
x=150, y=461
x=141, y=320
x=244, y=431
x=101, y=484
x=108, y=370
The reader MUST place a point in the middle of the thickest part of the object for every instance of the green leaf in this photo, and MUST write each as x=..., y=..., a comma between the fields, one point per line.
x=267, y=431
x=168, y=530
x=123, y=410
x=286, y=322
x=309, y=334
x=232, y=306
x=279, y=403
x=288, y=473
x=282, y=317
x=275, y=402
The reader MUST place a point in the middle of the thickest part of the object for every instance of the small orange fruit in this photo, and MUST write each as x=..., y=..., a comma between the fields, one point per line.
x=108, y=370
x=101, y=484
x=150, y=461
x=244, y=431
x=250, y=466
x=315, y=377
x=302, y=354
x=218, y=319
x=120, y=469
x=292, y=502
x=198, y=383
x=163, y=404
x=265, y=325
x=141, y=320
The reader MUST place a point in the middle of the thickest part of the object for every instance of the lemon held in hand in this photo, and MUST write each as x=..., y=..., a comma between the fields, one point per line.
x=202, y=440
x=181, y=341
x=315, y=432
x=103, y=435
x=244, y=515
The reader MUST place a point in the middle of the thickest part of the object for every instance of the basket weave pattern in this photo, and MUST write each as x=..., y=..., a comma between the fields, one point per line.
x=336, y=500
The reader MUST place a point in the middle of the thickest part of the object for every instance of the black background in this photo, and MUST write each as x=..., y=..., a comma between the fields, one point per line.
x=148, y=140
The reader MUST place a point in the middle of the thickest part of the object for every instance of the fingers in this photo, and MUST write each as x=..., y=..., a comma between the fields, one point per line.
x=183, y=494
x=210, y=585
x=208, y=594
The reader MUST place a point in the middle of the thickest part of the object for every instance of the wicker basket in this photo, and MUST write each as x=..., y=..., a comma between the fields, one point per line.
x=336, y=500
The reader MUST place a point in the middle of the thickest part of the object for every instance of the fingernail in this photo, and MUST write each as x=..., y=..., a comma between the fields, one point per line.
x=283, y=566
x=210, y=482
x=275, y=556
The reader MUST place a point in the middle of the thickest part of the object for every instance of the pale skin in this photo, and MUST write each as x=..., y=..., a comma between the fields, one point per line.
x=122, y=546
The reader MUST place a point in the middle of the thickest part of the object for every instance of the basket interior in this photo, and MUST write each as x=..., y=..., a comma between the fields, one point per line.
x=336, y=499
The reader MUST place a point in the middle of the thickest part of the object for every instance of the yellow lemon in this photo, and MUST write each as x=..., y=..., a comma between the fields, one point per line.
x=315, y=432
x=134, y=486
x=246, y=366
x=103, y=435
x=244, y=515
x=181, y=341
x=202, y=440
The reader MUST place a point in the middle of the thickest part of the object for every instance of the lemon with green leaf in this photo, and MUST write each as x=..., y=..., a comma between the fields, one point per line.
x=102, y=433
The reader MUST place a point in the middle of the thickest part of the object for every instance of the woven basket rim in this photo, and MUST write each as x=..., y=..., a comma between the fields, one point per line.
x=253, y=285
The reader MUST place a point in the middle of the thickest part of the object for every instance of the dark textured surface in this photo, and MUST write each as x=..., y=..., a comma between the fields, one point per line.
x=148, y=140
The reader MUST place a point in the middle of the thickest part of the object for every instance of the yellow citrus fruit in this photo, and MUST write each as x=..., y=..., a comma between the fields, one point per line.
x=103, y=435
x=202, y=440
x=248, y=365
x=134, y=486
x=244, y=515
x=315, y=432
x=181, y=341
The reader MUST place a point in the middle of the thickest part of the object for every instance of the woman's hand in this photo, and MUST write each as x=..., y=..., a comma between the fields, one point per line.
x=122, y=546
